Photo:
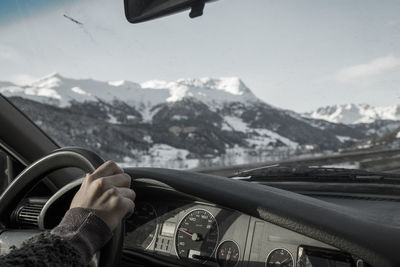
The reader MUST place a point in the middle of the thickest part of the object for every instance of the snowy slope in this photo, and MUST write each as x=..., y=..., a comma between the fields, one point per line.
x=353, y=114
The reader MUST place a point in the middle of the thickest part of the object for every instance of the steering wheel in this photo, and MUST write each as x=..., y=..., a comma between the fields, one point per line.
x=79, y=158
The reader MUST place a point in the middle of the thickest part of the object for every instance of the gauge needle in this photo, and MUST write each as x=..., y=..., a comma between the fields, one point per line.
x=228, y=255
x=194, y=236
x=285, y=260
x=183, y=231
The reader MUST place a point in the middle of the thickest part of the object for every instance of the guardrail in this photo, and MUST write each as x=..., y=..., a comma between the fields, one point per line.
x=373, y=160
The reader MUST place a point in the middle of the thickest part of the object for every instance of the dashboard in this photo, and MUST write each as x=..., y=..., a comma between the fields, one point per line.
x=173, y=227
x=180, y=230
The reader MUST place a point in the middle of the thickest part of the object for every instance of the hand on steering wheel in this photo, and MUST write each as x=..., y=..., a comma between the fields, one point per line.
x=107, y=192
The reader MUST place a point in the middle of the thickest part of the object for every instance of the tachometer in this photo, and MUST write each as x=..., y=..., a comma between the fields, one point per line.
x=197, y=236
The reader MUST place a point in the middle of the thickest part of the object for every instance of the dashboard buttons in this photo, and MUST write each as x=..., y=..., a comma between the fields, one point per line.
x=163, y=244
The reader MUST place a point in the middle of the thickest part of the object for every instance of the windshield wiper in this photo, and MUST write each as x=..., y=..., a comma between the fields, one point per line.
x=315, y=174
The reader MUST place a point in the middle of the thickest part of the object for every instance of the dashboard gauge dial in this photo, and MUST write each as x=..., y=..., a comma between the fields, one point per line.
x=197, y=236
x=141, y=226
x=228, y=254
x=279, y=258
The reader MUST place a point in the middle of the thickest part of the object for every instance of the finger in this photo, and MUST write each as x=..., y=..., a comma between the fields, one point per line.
x=106, y=169
x=118, y=180
x=108, y=194
x=128, y=206
x=127, y=193
x=86, y=181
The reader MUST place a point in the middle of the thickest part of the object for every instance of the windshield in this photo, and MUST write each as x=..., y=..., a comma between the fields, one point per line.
x=246, y=83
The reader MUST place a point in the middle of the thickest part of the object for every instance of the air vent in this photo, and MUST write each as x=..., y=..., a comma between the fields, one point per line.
x=27, y=213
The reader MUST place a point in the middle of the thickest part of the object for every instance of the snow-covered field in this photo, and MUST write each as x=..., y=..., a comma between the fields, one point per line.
x=165, y=156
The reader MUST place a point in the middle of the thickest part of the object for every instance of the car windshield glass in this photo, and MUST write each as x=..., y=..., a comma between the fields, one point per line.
x=249, y=82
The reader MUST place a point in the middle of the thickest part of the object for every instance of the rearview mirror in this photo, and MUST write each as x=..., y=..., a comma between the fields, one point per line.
x=141, y=10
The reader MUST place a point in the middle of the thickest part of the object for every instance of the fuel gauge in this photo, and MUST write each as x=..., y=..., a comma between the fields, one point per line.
x=279, y=258
x=228, y=254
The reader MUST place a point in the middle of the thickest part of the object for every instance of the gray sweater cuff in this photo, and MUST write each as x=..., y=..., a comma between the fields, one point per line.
x=84, y=230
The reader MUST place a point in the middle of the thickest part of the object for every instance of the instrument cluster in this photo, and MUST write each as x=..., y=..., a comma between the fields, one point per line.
x=192, y=233
x=205, y=234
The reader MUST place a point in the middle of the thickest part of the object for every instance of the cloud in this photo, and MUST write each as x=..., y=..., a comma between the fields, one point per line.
x=368, y=73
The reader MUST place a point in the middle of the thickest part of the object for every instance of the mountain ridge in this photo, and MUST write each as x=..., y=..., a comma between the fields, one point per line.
x=355, y=113
x=182, y=124
x=58, y=90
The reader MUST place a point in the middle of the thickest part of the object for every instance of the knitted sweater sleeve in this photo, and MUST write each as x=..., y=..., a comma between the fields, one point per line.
x=72, y=243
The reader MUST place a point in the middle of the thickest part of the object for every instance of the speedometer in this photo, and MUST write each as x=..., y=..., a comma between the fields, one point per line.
x=197, y=236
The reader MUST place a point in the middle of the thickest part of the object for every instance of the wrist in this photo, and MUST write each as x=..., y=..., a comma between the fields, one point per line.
x=84, y=230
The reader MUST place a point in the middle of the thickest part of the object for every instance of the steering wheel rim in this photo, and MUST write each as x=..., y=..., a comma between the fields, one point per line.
x=79, y=158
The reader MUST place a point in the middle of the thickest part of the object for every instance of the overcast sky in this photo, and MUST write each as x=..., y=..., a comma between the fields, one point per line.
x=299, y=54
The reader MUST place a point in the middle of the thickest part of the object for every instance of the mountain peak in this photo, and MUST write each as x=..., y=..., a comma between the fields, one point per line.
x=226, y=89
x=53, y=75
x=232, y=85
x=355, y=113
x=52, y=80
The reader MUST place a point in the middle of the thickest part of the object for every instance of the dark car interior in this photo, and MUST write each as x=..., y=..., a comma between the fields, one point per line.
x=188, y=218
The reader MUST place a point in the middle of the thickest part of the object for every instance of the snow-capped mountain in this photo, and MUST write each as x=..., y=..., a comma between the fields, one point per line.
x=181, y=124
x=60, y=91
x=353, y=114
